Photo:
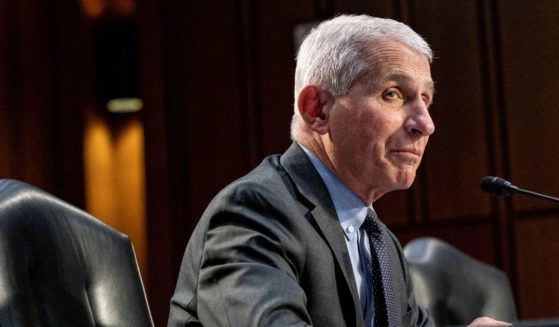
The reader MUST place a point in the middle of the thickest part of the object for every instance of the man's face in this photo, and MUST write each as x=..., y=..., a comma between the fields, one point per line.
x=379, y=130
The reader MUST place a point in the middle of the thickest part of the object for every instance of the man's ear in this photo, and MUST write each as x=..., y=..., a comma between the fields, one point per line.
x=314, y=106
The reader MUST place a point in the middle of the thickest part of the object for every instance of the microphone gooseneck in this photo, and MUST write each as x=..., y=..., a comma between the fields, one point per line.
x=499, y=186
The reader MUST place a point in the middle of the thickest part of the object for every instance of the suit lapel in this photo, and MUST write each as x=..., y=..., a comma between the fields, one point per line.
x=398, y=275
x=331, y=229
x=310, y=185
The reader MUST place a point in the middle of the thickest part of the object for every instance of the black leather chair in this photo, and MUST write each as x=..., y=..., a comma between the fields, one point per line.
x=59, y=266
x=455, y=287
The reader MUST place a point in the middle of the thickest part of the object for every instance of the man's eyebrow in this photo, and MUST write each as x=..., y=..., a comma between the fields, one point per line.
x=405, y=79
x=430, y=84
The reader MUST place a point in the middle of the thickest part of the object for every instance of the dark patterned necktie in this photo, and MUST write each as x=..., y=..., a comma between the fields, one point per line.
x=383, y=290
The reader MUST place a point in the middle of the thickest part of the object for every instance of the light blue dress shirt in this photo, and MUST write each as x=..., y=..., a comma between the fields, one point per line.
x=351, y=211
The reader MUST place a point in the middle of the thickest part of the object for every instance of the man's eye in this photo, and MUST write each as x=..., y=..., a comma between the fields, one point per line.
x=392, y=95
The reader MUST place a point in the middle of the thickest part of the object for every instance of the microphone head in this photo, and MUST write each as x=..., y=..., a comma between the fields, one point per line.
x=497, y=186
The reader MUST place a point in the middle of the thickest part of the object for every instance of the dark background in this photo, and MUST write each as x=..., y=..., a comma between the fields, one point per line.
x=216, y=78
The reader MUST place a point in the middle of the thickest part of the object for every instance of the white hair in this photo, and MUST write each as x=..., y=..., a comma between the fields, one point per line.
x=337, y=52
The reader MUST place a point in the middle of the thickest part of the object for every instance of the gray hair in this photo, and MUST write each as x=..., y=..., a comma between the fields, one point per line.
x=337, y=52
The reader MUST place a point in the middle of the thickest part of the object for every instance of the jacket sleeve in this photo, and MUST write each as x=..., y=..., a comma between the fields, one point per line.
x=249, y=268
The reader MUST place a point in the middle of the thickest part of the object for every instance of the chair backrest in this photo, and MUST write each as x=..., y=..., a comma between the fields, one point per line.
x=455, y=287
x=59, y=266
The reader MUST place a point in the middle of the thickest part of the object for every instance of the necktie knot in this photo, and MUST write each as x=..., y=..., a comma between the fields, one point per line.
x=371, y=225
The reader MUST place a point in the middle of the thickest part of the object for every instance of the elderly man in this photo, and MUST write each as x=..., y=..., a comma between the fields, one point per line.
x=296, y=242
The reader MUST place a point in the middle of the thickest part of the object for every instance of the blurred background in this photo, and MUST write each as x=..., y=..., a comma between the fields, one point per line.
x=203, y=93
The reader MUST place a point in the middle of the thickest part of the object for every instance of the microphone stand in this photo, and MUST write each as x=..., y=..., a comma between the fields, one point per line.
x=537, y=195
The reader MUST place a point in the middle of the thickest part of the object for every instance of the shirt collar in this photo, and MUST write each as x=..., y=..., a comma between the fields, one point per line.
x=351, y=210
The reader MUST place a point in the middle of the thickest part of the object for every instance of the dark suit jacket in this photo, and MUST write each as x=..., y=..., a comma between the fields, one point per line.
x=269, y=251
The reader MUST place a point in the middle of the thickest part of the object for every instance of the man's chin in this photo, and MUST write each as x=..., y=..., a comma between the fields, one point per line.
x=405, y=179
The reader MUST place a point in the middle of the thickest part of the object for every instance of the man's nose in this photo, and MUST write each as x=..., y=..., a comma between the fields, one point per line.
x=419, y=121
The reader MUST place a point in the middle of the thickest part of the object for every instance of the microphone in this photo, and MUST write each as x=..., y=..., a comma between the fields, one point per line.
x=499, y=186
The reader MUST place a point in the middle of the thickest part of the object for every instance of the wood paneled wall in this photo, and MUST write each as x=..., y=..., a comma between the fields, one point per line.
x=223, y=78
x=217, y=79
x=41, y=95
